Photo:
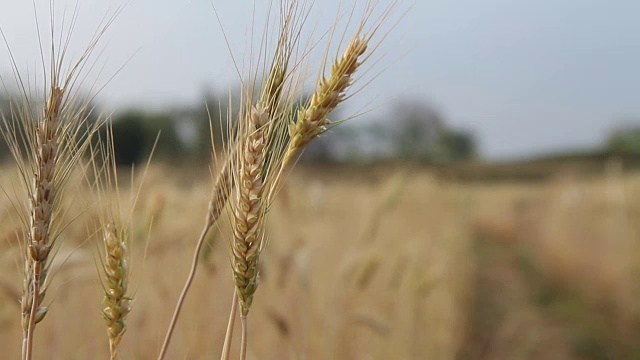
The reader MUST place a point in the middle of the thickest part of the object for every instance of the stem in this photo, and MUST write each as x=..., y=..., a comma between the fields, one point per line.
x=185, y=289
x=226, y=349
x=24, y=343
x=221, y=192
x=28, y=351
x=113, y=350
x=243, y=343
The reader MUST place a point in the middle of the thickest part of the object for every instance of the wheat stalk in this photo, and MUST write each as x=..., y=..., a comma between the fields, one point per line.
x=259, y=152
x=259, y=172
x=114, y=238
x=217, y=203
x=226, y=181
x=42, y=199
x=46, y=145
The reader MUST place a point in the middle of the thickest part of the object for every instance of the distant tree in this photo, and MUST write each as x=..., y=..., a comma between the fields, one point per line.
x=625, y=140
x=163, y=128
x=135, y=134
x=418, y=129
x=130, y=139
x=458, y=145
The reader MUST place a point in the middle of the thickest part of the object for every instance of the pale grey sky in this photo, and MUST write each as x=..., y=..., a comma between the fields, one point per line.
x=525, y=76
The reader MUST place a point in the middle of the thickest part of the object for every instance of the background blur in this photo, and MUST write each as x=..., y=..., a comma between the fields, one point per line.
x=483, y=204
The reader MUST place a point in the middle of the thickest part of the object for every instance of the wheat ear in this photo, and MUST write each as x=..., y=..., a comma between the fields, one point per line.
x=270, y=98
x=249, y=207
x=116, y=299
x=330, y=91
x=46, y=146
x=41, y=202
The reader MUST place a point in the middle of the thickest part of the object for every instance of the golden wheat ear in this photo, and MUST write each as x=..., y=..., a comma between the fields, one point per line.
x=47, y=144
x=269, y=101
x=260, y=138
x=112, y=240
x=330, y=90
x=113, y=236
x=264, y=148
x=117, y=301
x=259, y=132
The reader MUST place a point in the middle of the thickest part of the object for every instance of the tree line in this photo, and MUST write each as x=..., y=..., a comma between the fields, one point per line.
x=411, y=131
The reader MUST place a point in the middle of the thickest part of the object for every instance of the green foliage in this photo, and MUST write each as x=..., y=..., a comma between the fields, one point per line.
x=135, y=134
x=422, y=134
x=130, y=139
x=625, y=141
x=457, y=145
x=163, y=127
x=417, y=132
x=179, y=134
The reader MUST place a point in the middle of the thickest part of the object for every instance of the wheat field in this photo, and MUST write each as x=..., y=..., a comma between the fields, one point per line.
x=362, y=264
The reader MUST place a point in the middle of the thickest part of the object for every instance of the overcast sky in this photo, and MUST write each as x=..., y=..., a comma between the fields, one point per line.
x=525, y=76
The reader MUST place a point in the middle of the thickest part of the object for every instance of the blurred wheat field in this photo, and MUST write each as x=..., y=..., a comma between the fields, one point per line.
x=366, y=263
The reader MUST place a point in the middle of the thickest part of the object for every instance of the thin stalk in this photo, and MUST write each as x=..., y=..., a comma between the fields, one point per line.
x=28, y=350
x=216, y=205
x=185, y=289
x=226, y=348
x=113, y=349
x=243, y=342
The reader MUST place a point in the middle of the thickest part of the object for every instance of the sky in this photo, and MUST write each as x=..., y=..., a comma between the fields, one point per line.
x=526, y=77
